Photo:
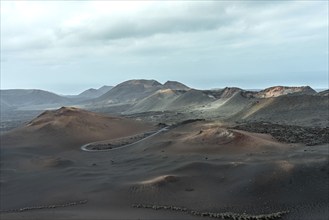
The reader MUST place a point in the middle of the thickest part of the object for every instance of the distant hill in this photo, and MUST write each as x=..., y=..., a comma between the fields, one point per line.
x=295, y=105
x=5, y=106
x=324, y=93
x=21, y=98
x=94, y=93
x=276, y=103
x=172, y=100
x=285, y=90
x=129, y=92
x=133, y=91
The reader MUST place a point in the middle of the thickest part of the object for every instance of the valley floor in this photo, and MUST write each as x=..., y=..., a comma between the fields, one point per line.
x=201, y=166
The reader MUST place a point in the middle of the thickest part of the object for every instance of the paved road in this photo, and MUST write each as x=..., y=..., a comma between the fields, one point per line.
x=84, y=147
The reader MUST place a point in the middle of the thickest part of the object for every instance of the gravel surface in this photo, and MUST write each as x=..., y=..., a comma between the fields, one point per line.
x=289, y=133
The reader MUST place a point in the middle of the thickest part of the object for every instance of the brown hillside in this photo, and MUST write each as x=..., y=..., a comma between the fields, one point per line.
x=72, y=127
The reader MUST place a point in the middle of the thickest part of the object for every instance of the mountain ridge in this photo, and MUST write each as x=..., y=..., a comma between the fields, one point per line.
x=141, y=95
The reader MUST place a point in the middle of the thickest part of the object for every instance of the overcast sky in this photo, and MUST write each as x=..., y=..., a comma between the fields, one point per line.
x=67, y=47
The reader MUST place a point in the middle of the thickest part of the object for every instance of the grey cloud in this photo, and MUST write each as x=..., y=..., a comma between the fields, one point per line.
x=189, y=38
x=194, y=18
x=105, y=29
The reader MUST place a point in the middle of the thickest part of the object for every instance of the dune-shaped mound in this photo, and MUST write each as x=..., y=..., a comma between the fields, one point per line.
x=216, y=137
x=159, y=184
x=69, y=126
x=234, y=183
x=212, y=138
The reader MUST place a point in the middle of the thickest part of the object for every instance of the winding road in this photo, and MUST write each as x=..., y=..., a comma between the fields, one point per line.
x=85, y=147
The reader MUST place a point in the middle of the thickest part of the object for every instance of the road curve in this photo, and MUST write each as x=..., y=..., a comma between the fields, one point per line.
x=84, y=147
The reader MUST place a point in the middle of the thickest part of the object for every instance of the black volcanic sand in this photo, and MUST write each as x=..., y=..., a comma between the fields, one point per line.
x=292, y=178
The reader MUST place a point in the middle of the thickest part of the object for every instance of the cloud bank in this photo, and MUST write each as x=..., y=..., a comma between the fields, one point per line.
x=61, y=45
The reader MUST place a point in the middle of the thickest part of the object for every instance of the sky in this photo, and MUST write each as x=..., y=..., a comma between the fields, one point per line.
x=69, y=46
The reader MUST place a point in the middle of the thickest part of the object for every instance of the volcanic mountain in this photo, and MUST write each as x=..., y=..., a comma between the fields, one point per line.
x=305, y=110
x=174, y=85
x=172, y=100
x=94, y=93
x=297, y=105
x=285, y=90
x=133, y=91
x=130, y=91
x=70, y=127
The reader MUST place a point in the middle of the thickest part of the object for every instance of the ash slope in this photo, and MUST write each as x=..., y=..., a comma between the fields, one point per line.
x=69, y=127
x=202, y=165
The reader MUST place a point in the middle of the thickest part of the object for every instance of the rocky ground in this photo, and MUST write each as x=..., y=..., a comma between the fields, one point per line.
x=226, y=215
x=289, y=133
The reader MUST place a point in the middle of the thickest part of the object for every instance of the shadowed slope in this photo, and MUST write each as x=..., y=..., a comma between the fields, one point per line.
x=192, y=97
x=306, y=110
x=159, y=101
